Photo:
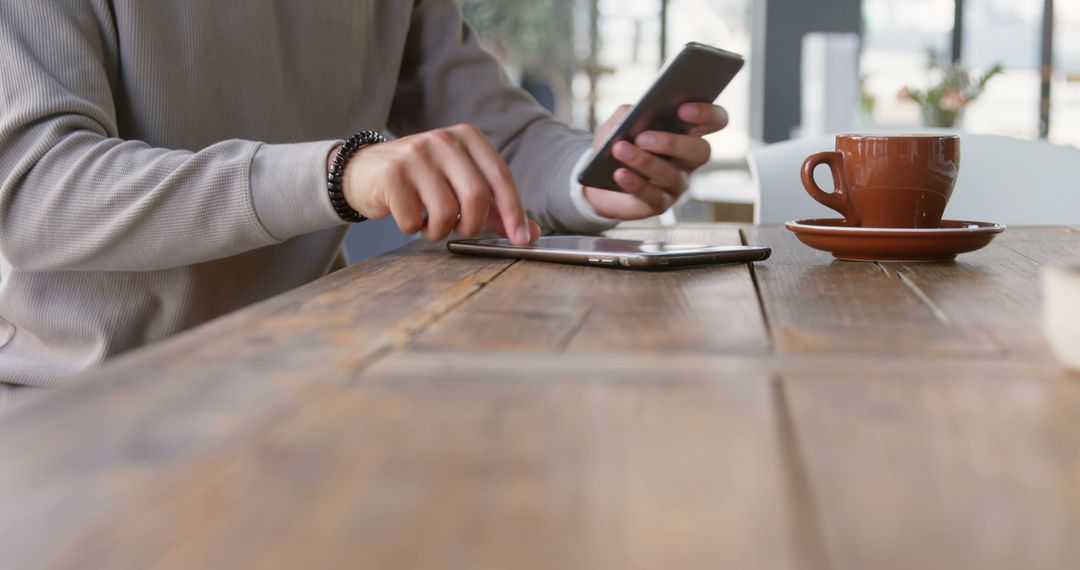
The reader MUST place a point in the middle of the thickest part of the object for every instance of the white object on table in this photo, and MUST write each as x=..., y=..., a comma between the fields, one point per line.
x=1061, y=313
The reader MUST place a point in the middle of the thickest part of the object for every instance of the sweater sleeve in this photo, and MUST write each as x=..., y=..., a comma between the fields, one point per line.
x=447, y=78
x=74, y=195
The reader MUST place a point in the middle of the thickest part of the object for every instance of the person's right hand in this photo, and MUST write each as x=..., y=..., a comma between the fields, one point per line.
x=453, y=175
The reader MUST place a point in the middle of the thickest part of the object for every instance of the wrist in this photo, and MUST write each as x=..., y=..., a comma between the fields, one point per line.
x=330, y=158
x=336, y=179
x=580, y=200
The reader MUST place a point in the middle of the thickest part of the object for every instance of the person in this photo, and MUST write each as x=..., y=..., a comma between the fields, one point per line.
x=164, y=163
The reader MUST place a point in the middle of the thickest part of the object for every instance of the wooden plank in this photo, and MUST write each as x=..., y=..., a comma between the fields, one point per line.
x=917, y=464
x=118, y=440
x=544, y=307
x=995, y=291
x=501, y=461
x=816, y=304
x=1045, y=246
x=526, y=461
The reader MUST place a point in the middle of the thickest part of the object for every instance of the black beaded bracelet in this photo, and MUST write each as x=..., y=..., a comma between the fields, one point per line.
x=337, y=168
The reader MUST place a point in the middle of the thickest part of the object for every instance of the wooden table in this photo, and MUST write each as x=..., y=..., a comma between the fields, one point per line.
x=421, y=410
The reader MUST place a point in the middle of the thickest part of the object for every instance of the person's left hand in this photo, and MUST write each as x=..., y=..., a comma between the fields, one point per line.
x=664, y=161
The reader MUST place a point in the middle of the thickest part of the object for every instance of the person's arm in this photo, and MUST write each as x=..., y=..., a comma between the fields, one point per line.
x=75, y=196
x=447, y=78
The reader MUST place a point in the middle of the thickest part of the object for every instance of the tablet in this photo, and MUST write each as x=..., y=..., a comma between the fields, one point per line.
x=611, y=252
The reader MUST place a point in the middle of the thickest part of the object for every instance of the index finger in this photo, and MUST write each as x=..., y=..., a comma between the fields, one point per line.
x=705, y=117
x=506, y=199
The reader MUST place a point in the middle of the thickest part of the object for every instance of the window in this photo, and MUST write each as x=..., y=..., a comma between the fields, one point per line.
x=1065, y=80
x=898, y=36
x=547, y=47
x=629, y=53
x=1008, y=32
x=724, y=24
x=896, y=39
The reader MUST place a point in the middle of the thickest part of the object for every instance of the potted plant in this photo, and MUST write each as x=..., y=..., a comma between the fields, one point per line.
x=950, y=89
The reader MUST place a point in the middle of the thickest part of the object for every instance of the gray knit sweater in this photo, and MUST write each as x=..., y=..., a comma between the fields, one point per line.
x=163, y=162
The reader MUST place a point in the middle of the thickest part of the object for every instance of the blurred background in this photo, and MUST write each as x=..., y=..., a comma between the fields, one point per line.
x=813, y=66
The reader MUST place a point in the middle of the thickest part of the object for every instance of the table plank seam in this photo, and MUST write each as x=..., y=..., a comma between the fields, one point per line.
x=902, y=274
x=807, y=530
x=766, y=321
x=1022, y=254
x=564, y=343
x=884, y=268
x=921, y=295
x=415, y=332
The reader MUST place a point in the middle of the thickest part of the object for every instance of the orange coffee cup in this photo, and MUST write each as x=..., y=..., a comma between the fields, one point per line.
x=888, y=181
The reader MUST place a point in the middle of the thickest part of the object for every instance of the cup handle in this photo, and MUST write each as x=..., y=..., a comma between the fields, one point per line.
x=840, y=199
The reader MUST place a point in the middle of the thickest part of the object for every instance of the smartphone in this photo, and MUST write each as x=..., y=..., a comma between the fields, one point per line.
x=610, y=252
x=697, y=74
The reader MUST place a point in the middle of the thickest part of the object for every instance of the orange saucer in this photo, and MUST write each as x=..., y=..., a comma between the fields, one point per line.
x=894, y=244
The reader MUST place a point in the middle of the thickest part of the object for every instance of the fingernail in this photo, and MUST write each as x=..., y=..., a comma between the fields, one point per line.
x=692, y=112
x=647, y=139
x=624, y=150
x=522, y=234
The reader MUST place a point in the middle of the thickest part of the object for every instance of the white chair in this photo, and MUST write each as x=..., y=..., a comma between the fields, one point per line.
x=1002, y=179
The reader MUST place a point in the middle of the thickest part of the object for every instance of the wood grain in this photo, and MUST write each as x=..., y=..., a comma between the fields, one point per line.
x=424, y=410
x=818, y=305
x=1045, y=246
x=939, y=466
x=120, y=439
x=964, y=291
x=545, y=307
x=470, y=461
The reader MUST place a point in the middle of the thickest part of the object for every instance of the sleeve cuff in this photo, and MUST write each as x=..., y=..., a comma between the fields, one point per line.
x=288, y=188
x=577, y=196
x=568, y=205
